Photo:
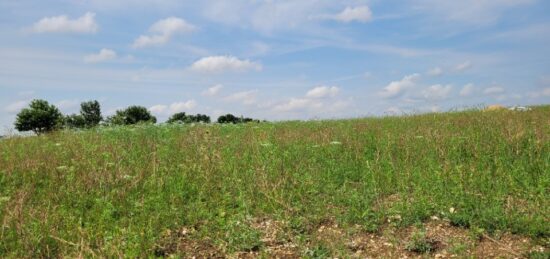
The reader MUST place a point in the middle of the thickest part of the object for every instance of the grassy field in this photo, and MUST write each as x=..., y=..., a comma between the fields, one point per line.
x=459, y=183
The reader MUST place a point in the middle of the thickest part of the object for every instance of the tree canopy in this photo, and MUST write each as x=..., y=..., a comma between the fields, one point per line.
x=181, y=117
x=230, y=118
x=89, y=117
x=132, y=115
x=40, y=117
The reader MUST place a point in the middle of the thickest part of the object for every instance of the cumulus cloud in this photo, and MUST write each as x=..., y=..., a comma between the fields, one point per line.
x=354, y=14
x=494, y=90
x=161, y=109
x=397, y=88
x=212, y=91
x=323, y=91
x=437, y=92
x=316, y=99
x=297, y=104
x=245, y=97
x=162, y=31
x=463, y=66
x=103, y=55
x=467, y=90
x=216, y=64
x=63, y=24
x=436, y=71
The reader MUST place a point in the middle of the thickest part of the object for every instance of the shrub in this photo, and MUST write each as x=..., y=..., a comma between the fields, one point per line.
x=230, y=118
x=40, y=117
x=181, y=117
x=132, y=115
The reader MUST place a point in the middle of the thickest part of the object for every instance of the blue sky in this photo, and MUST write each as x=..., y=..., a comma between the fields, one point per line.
x=274, y=59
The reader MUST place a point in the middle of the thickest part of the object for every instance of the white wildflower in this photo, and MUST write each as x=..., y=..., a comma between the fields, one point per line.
x=452, y=210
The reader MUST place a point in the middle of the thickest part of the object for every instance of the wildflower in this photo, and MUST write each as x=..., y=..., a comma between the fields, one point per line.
x=127, y=177
x=336, y=143
x=452, y=210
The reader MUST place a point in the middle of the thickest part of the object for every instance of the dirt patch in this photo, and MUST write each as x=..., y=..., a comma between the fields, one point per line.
x=436, y=238
x=276, y=243
x=181, y=243
x=445, y=240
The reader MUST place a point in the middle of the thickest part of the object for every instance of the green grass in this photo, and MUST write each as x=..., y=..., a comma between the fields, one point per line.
x=117, y=191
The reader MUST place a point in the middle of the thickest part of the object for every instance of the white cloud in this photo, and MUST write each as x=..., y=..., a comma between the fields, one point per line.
x=163, y=31
x=351, y=14
x=298, y=104
x=63, y=24
x=494, y=90
x=467, y=90
x=397, y=88
x=17, y=106
x=212, y=91
x=269, y=16
x=315, y=101
x=463, y=66
x=161, y=109
x=216, y=64
x=245, y=97
x=437, y=92
x=436, y=71
x=323, y=91
x=103, y=55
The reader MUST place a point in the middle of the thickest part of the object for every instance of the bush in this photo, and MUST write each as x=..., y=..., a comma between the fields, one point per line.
x=75, y=121
x=40, y=117
x=230, y=118
x=89, y=117
x=132, y=115
x=181, y=117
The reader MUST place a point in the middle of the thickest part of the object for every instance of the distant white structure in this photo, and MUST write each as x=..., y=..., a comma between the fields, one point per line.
x=519, y=108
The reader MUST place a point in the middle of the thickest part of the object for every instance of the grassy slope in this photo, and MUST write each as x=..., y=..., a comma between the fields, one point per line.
x=117, y=191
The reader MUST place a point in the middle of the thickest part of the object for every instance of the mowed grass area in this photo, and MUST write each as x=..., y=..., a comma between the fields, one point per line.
x=151, y=191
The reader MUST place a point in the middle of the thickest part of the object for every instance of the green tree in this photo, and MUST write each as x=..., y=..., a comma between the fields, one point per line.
x=132, y=115
x=91, y=113
x=89, y=117
x=75, y=121
x=230, y=118
x=181, y=117
x=40, y=117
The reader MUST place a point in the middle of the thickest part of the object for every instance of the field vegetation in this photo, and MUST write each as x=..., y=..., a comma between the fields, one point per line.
x=469, y=183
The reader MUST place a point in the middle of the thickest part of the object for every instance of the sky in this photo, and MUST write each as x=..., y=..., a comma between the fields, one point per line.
x=274, y=59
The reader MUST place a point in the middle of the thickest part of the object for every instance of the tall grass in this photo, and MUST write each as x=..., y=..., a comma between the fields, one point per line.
x=110, y=192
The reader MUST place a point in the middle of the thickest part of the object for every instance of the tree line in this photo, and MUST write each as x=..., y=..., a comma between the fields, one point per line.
x=42, y=117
